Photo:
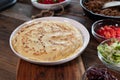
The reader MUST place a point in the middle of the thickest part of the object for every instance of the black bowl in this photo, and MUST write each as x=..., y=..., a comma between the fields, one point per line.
x=100, y=67
x=95, y=16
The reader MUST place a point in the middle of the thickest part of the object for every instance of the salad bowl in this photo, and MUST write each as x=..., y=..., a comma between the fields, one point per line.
x=109, y=53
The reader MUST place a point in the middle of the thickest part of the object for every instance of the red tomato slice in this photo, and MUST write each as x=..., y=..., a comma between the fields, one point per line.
x=109, y=31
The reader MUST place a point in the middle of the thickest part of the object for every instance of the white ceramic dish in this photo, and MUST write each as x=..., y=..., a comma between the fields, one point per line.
x=50, y=6
x=79, y=26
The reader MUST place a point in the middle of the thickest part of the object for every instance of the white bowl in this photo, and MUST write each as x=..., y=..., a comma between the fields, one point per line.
x=50, y=6
x=79, y=26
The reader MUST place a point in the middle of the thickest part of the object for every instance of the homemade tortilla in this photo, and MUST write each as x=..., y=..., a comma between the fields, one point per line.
x=47, y=40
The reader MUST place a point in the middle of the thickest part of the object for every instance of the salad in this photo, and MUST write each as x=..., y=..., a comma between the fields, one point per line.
x=110, y=51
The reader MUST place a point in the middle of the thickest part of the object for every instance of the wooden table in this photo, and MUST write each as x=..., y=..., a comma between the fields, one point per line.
x=10, y=64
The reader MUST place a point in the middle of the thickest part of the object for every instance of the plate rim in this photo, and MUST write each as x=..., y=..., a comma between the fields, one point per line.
x=87, y=38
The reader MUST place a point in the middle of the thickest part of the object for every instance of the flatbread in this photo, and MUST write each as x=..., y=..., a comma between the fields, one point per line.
x=47, y=40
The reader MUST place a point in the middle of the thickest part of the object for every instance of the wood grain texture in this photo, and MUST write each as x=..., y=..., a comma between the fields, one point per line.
x=8, y=60
x=22, y=11
x=72, y=70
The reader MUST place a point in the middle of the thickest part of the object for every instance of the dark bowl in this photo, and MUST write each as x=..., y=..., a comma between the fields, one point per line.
x=100, y=23
x=114, y=73
x=95, y=16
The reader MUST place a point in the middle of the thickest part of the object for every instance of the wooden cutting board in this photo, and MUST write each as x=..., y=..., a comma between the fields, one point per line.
x=72, y=70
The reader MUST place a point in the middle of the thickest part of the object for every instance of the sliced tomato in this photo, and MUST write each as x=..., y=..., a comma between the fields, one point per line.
x=118, y=32
x=107, y=35
x=109, y=31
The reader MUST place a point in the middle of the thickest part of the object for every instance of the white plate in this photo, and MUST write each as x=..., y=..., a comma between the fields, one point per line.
x=79, y=26
x=50, y=6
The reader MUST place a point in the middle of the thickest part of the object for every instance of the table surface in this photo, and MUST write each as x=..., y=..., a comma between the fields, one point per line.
x=21, y=12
